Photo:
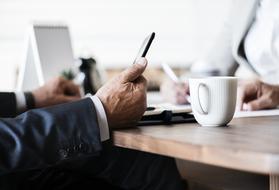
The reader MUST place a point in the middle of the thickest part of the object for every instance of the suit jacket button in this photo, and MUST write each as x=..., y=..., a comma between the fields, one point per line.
x=63, y=153
x=75, y=148
x=80, y=146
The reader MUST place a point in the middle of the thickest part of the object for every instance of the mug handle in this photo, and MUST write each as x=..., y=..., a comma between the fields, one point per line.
x=201, y=110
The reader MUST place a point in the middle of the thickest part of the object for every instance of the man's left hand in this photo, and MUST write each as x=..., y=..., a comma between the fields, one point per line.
x=56, y=91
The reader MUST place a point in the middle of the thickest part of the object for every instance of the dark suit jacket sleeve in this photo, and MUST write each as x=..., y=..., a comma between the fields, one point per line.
x=7, y=104
x=43, y=137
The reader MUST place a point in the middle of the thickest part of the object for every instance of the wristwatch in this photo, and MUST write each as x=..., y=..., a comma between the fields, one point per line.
x=30, y=101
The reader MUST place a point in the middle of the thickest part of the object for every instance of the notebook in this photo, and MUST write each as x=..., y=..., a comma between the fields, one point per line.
x=166, y=114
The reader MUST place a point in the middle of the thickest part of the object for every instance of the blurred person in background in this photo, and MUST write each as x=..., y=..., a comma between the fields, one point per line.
x=254, y=45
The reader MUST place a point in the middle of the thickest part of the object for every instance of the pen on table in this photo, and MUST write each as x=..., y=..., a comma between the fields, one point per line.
x=167, y=69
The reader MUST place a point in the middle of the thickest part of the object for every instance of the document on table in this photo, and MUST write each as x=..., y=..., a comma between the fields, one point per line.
x=159, y=108
x=166, y=114
x=270, y=112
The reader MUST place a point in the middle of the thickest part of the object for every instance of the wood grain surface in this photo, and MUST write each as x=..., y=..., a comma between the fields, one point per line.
x=248, y=144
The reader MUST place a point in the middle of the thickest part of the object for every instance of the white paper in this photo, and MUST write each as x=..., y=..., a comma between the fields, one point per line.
x=159, y=108
x=271, y=112
x=155, y=99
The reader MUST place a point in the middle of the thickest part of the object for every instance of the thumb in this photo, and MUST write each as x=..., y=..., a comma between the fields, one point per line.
x=135, y=71
x=260, y=103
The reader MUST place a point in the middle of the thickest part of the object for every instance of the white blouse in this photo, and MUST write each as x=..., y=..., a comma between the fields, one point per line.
x=262, y=41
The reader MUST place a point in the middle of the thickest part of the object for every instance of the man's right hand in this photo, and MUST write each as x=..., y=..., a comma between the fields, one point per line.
x=124, y=96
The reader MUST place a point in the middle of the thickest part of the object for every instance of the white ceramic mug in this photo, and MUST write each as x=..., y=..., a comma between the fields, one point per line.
x=213, y=99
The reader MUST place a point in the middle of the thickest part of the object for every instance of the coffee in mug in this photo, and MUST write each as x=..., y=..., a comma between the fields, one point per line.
x=213, y=99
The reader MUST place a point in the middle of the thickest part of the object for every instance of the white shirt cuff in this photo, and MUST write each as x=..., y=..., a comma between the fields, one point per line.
x=20, y=102
x=102, y=118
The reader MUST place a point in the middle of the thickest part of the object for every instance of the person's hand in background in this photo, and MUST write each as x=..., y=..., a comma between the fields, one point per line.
x=124, y=96
x=257, y=95
x=56, y=91
x=174, y=92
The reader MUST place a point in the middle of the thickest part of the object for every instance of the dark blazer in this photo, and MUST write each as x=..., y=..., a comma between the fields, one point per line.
x=7, y=104
x=42, y=137
x=59, y=148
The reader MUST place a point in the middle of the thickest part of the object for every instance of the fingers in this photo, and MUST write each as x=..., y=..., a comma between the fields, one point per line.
x=176, y=93
x=187, y=87
x=141, y=82
x=257, y=95
x=246, y=93
x=132, y=73
x=261, y=103
x=70, y=89
x=240, y=98
x=181, y=89
x=180, y=93
x=65, y=99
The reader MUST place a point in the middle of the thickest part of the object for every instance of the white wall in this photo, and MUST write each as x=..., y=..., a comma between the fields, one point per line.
x=113, y=30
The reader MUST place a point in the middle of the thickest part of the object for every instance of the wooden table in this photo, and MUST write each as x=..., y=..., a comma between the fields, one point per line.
x=247, y=144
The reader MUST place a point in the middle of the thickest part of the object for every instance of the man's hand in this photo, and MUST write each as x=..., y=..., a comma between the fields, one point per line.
x=175, y=93
x=124, y=97
x=56, y=91
x=257, y=95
